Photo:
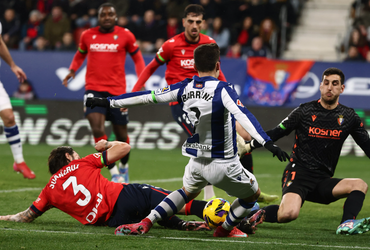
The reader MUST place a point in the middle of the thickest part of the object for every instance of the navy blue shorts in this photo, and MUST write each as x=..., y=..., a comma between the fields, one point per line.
x=113, y=115
x=312, y=185
x=182, y=119
x=135, y=202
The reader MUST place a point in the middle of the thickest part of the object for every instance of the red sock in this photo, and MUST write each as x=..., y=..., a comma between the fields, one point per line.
x=128, y=140
x=96, y=139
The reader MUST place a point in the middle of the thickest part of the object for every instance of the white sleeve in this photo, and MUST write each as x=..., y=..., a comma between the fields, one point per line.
x=251, y=126
x=144, y=97
x=1, y=29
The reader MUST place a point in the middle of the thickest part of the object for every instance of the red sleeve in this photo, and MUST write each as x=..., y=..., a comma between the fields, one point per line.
x=144, y=76
x=77, y=61
x=80, y=55
x=139, y=62
x=41, y=204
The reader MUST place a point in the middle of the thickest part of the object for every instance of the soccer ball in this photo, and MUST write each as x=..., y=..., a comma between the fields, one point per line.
x=215, y=212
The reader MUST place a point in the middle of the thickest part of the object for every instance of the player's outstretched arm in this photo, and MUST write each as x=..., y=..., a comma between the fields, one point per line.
x=25, y=216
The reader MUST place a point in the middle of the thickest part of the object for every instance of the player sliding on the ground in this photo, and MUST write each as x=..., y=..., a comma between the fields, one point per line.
x=212, y=107
x=77, y=188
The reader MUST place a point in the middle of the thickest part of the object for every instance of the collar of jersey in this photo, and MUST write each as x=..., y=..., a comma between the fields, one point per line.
x=204, y=78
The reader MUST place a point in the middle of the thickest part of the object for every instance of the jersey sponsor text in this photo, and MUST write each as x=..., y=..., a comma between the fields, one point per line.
x=324, y=133
x=104, y=47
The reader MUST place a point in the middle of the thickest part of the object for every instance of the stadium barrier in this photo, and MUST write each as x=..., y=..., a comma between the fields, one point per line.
x=62, y=123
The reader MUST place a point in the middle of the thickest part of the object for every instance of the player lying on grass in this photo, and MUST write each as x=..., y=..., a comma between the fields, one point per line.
x=212, y=107
x=321, y=127
x=77, y=188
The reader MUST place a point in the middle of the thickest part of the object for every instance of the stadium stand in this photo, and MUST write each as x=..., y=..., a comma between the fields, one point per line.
x=281, y=16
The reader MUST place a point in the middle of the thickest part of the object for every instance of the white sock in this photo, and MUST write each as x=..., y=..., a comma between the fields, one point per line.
x=14, y=140
x=208, y=192
x=114, y=170
x=169, y=206
x=238, y=210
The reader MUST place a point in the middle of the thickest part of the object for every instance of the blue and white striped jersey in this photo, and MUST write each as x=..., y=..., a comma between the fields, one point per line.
x=212, y=107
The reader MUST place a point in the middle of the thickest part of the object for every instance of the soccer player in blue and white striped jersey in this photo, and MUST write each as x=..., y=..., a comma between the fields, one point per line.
x=212, y=107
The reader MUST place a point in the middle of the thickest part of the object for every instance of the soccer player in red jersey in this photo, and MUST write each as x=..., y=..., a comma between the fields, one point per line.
x=77, y=188
x=105, y=47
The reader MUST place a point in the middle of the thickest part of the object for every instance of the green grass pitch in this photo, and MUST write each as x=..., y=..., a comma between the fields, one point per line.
x=314, y=229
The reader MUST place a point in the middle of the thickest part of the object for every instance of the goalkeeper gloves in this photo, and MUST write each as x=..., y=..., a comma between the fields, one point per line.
x=97, y=102
x=275, y=150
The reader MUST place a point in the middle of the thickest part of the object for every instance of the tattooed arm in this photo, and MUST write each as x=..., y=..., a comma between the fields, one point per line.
x=25, y=216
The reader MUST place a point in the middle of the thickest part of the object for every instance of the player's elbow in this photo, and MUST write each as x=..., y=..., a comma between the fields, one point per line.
x=124, y=149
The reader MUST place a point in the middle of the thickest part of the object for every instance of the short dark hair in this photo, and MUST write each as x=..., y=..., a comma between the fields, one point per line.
x=57, y=158
x=334, y=71
x=106, y=5
x=194, y=8
x=206, y=56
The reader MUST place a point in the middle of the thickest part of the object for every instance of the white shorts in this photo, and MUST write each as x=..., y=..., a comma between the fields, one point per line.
x=226, y=174
x=4, y=99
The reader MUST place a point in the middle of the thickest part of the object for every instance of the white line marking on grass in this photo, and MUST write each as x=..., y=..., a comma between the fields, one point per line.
x=20, y=190
x=194, y=239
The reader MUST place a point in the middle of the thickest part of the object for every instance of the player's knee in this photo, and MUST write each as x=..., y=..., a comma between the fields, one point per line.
x=360, y=185
x=9, y=119
x=287, y=216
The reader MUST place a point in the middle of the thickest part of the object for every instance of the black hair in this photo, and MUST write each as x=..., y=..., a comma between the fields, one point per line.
x=107, y=5
x=334, y=71
x=206, y=56
x=57, y=158
x=194, y=8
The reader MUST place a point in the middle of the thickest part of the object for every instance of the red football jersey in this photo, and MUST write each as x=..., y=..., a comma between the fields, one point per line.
x=106, y=56
x=178, y=53
x=80, y=190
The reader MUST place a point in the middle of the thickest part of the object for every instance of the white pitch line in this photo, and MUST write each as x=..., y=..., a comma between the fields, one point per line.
x=134, y=181
x=194, y=239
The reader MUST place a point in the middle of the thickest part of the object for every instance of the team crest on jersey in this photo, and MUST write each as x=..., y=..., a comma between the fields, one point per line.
x=97, y=155
x=239, y=103
x=115, y=37
x=340, y=119
x=199, y=85
x=314, y=117
x=94, y=36
x=183, y=51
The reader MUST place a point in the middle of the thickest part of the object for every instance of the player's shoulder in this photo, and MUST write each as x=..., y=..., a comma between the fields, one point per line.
x=119, y=29
x=204, y=39
x=179, y=38
x=346, y=109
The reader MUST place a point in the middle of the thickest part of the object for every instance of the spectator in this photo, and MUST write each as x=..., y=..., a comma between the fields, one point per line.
x=55, y=26
x=85, y=13
x=172, y=28
x=353, y=55
x=25, y=91
x=266, y=31
x=44, y=6
x=176, y=7
x=149, y=31
x=210, y=9
x=11, y=26
x=41, y=44
x=205, y=28
x=234, y=51
x=137, y=9
x=245, y=32
x=221, y=35
x=68, y=43
x=124, y=22
x=257, y=49
x=31, y=30
x=359, y=41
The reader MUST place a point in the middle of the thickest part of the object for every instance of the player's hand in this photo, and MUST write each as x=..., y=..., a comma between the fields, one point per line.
x=70, y=75
x=21, y=76
x=275, y=150
x=101, y=145
x=5, y=217
x=97, y=102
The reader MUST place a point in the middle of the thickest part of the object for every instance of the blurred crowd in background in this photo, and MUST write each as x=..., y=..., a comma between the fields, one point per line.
x=242, y=28
x=357, y=41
